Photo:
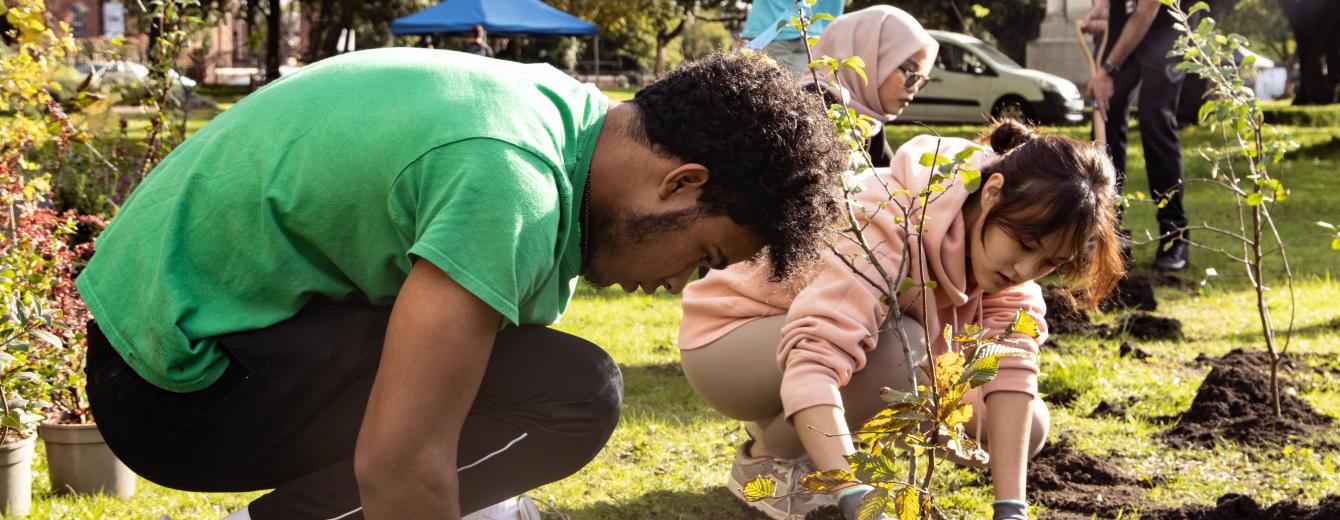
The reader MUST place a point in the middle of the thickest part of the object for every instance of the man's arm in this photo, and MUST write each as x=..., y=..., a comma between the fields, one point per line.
x=437, y=346
x=1136, y=27
x=1100, y=86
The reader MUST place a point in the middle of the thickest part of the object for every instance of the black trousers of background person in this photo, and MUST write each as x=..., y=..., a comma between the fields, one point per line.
x=286, y=414
x=1160, y=85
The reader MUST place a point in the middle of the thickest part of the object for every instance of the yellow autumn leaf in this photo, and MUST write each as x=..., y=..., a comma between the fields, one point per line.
x=960, y=415
x=759, y=488
x=825, y=481
x=948, y=368
x=1025, y=324
x=909, y=508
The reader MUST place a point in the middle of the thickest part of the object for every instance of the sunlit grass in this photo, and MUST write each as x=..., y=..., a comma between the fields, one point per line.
x=670, y=455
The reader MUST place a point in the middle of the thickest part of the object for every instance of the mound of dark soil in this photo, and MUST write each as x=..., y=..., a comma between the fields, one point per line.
x=1133, y=291
x=1142, y=325
x=1234, y=403
x=1128, y=350
x=1111, y=410
x=1239, y=507
x=1063, y=316
x=1242, y=357
x=1078, y=485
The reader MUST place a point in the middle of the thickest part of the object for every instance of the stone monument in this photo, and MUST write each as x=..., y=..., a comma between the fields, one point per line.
x=1056, y=50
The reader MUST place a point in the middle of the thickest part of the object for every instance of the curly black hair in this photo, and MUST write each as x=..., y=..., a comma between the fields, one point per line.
x=774, y=161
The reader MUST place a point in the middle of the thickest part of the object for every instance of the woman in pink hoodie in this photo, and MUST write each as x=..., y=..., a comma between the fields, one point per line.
x=800, y=360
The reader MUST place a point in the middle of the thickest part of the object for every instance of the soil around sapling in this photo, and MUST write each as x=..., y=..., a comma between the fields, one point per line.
x=1078, y=485
x=1233, y=506
x=1234, y=404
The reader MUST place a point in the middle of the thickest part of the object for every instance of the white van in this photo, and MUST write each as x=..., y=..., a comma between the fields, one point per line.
x=973, y=81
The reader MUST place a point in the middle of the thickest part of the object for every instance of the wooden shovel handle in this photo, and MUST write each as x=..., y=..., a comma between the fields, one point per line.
x=1099, y=118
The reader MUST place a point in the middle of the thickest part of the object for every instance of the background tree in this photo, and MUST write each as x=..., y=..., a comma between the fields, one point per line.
x=1008, y=24
x=643, y=30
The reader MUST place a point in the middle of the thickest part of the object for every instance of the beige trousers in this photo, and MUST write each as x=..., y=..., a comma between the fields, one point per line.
x=739, y=377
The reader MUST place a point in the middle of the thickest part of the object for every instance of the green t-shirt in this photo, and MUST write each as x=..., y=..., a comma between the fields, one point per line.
x=325, y=182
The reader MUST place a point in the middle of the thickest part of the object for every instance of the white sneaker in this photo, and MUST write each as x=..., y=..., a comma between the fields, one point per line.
x=786, y=473
x=515, y=508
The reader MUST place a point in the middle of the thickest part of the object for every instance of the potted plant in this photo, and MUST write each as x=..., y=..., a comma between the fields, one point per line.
x=26, y=316
x=78, y=459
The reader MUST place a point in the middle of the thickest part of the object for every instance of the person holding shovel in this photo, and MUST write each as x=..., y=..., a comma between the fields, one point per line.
x=339, y=288
x=1139, y=35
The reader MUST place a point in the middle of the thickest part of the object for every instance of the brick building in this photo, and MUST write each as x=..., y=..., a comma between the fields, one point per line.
x=220, y=54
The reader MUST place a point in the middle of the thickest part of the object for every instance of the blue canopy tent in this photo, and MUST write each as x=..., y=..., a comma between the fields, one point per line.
x=497, y=16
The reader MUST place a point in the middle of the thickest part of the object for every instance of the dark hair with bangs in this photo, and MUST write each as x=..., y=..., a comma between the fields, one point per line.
x=1056, y=184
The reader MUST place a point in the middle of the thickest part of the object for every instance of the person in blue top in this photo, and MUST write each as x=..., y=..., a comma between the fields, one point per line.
x=788, y=48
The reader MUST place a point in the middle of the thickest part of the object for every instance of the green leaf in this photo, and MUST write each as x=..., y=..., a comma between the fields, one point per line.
x=872, y=468
x=894, y=395
x=981, y=371
x=909, y=508
x=873, y=504
x=48, y=337
x=1199, y=6
x=759, y=488
x=972, y=179
x=1335, y=244
x=857, y=65
x=819, y=17
x=906, y=284
x=1254, y=199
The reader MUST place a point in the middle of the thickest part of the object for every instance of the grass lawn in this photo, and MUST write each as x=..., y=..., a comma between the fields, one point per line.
x=671, y=453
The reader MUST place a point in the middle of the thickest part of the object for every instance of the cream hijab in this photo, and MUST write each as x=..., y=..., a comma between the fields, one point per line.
x=884, y=37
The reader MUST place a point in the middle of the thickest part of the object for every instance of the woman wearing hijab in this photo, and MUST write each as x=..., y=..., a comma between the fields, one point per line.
x=898, y=55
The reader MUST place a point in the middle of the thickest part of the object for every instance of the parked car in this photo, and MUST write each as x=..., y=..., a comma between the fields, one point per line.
x=974, y=81
x=127, y=72
x=126, y=78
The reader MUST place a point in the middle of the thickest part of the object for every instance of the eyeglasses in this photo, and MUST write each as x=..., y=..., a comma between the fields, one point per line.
x=914, y=80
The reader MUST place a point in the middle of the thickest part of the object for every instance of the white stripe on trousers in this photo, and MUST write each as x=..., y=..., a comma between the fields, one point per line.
x=458, y=470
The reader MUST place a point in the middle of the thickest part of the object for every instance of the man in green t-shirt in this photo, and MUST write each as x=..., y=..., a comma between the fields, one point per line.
x=338, y=288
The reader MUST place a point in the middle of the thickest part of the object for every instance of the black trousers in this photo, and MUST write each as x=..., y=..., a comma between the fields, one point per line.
x=1160, y=85
x=286, y=413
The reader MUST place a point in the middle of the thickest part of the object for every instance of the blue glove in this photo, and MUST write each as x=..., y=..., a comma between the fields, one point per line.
x=849, y=501
x=1010, y=510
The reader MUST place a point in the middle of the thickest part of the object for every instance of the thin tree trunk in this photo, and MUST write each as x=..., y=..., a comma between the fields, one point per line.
x=274, y=35
x=1263, y=311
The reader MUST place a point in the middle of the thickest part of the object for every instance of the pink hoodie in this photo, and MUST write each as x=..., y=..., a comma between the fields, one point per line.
x=833, y=320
